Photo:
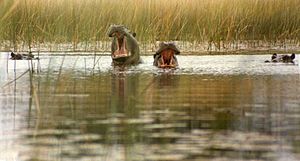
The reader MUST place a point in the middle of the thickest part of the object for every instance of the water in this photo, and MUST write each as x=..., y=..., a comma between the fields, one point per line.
x=211, y=108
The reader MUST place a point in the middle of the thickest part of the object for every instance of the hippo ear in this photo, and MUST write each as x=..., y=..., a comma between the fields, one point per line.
x=134, y=34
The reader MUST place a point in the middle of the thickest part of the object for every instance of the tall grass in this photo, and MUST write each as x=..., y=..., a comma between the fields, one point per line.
x=214, y=21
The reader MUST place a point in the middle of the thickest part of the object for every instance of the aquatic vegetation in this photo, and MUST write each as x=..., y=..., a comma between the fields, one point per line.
x=219, y=23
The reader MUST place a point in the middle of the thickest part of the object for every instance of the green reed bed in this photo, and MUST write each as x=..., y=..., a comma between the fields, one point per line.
x=217, y=22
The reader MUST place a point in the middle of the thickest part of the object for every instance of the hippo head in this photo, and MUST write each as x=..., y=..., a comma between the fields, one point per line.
x=274, y=56
x=124, y=48
x=293, y=56
x=165, y=57
x=288, y=59
x=282, y=58
x=16, y=56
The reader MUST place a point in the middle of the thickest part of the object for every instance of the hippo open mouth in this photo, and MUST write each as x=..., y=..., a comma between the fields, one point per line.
x=167, y=59
x=121, y=44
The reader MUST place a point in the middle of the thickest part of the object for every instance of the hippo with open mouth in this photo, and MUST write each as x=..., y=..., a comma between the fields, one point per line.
x=165, y=56
x=124, y=48
x=282, y=58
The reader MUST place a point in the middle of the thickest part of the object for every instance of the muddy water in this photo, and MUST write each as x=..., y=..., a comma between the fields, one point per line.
x=212, y=108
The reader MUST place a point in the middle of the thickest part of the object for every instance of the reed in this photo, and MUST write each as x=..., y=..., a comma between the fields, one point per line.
x=33, y=22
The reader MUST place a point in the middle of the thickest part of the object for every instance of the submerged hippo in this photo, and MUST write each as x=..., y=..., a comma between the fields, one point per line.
x=18, y=56
x=282, y=58
x=124, y=48
x=165, y=56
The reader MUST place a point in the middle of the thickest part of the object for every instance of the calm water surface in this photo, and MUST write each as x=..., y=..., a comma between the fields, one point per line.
x=211, y=108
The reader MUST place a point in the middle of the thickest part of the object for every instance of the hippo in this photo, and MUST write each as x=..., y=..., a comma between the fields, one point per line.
x=165, y=56
x=282, y=58
x=124, y=48
x=288, y=59
x=18, y=56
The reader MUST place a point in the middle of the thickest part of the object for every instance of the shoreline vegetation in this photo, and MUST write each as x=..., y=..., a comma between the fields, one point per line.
x=197, y=25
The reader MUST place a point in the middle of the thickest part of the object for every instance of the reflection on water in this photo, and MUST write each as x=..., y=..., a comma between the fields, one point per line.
x=82, y=112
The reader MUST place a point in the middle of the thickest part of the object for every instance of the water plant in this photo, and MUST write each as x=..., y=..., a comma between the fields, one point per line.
x=217, y=22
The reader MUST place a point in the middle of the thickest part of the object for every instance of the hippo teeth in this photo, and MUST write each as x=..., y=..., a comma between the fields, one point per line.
x=120, y=53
